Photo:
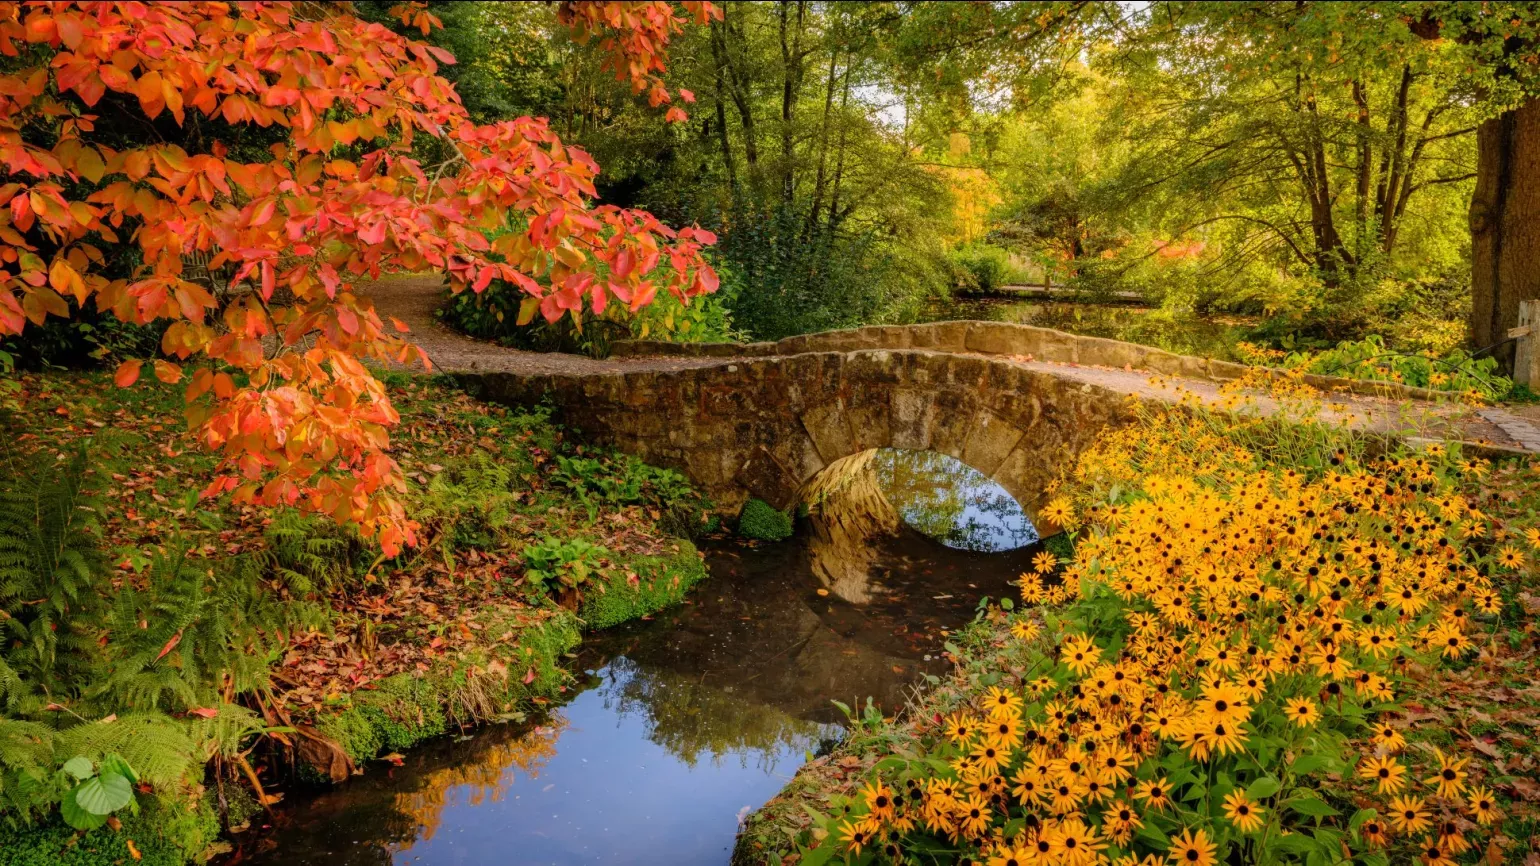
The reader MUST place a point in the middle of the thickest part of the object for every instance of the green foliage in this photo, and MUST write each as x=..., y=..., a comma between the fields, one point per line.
x=101, y=789
x=642, y=585
x=760, y=521
x=1372, y=360
x=48, y=566
x=556, y=565
x=614, y=481
x=980, y=268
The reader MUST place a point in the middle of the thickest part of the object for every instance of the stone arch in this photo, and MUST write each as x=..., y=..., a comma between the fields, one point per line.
x=764, y=426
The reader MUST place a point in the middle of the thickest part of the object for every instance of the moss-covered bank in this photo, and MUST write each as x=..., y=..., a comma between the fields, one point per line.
x=288, y=622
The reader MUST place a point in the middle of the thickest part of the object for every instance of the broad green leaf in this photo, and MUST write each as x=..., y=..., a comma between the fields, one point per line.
x=77, y=817
x=1262, y=788
x=104, y=794
x=1307, y=803
x=80, y=767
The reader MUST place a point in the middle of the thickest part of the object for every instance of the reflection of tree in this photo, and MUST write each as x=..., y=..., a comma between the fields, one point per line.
x=950, y=501
x=692, y=719
x=485, y=774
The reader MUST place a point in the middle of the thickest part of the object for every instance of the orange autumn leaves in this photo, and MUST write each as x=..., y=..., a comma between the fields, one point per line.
x=279, y=336
x=1225, y=618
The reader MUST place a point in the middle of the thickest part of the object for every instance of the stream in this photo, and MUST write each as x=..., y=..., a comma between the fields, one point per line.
x=679, y=726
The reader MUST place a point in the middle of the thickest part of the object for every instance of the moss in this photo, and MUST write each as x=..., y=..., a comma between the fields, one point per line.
x=405, y=709
x=659, y=581
x=1061, y=545
x=761, y=522
x=164, y=833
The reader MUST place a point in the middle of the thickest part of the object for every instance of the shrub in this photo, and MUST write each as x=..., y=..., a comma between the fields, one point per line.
x=761, y=522
x=980, y=268
x=562, y=564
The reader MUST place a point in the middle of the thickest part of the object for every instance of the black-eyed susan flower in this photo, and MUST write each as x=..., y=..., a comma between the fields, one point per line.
x=1450, y=778
x=1192, y=848
x=1409, y=815
x=1303, y=712
x=1483, y=806
x=1244, y=814
x=1388, y=774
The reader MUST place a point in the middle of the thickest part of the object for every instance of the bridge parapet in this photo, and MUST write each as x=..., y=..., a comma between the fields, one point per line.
x=1004, y=338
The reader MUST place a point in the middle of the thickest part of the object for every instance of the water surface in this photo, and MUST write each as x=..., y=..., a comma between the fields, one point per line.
x=679, y=726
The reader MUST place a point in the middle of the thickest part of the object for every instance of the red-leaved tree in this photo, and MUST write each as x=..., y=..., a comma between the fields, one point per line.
x=274, y=358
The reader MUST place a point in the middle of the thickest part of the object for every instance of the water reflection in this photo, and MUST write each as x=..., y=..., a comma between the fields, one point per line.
x=679, y=725
x=950, y=501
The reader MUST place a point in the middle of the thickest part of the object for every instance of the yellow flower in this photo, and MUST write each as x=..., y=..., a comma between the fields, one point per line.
x=974, y=815
x=1388, y=774
x=1245, y=815
x=1044, y=562
x=1388, y=738
x=1002, y=703
x=1483, y=805
x=1074, y=843
x=879, y=800
x=1192, y=848
x=1303, y=711
x=1510, y=557
x=1409, y=814
x=1450, y=778
x=855, y=834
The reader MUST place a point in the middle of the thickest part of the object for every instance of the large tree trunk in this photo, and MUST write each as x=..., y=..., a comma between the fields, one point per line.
x=1505, y=224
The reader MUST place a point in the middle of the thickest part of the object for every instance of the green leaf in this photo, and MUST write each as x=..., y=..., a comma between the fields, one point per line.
x=77, y=817
x=1262, y=788
x=1007, y=604
x=1294, y=843
x=115, y=763
x=1306, y=803
x=1306, y=764
x=104, y=794
x=80, y=767
x=1155, y=836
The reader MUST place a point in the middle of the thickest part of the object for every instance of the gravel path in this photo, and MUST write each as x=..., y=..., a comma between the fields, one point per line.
x=413, y=300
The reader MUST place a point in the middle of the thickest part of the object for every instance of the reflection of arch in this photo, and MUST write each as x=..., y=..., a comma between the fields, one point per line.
x=847, y=512
x=765, y=426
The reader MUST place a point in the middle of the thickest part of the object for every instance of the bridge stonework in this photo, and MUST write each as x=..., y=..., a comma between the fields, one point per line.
x=764, y=426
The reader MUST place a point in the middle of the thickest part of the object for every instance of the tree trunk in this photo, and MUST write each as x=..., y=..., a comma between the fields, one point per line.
x=1505, y=224
x=823, y=145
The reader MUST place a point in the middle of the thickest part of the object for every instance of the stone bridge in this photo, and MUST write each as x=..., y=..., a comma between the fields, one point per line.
x=1016, y=402
x=765, y=426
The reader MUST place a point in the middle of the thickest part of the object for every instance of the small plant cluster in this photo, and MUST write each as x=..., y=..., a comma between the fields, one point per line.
x=761, y=521
x=561, y=565
x=1474, y=379
x=1235, y=631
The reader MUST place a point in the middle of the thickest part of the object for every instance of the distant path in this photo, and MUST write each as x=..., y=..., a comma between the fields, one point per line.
x=1058, y=293
x=413, y=300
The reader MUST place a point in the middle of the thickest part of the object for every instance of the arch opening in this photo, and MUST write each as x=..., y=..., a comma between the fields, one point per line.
x=863, y=507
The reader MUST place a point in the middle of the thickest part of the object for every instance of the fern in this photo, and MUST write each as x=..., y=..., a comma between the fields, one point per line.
x=49, y=562
x=157, y=746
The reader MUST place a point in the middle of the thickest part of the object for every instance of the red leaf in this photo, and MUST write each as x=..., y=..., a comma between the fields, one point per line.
x=128, y=373
x=170, y=645
x=529, y=677
x=205, y=712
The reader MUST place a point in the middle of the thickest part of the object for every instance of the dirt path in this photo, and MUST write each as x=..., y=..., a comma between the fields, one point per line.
x=414, y=299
